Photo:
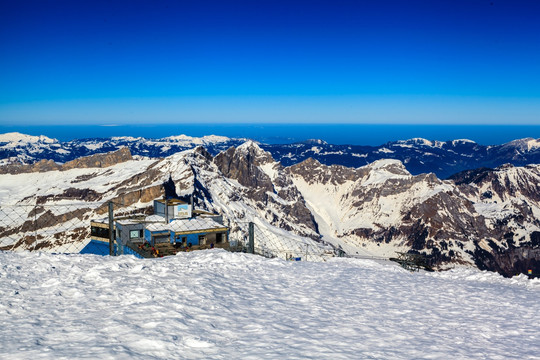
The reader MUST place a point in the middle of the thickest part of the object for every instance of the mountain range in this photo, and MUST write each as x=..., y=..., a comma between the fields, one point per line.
x=484, y=217
x=417, y=155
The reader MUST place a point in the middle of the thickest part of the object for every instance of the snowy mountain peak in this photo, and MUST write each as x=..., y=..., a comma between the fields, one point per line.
x=126, y=138
x=525, y=145
x=381, y=171
x=504, y=167
x=391, y=165
x=462, y=141
x=254, y=152
x=416, y=141
x=208, y=139
x=533, y=144
x=15, y=137
x=250, y=145
x=315, y=142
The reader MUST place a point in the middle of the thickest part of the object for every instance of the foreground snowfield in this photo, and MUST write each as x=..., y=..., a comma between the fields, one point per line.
x=218, y=305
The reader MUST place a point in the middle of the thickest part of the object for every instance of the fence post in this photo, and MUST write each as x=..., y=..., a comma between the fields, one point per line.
x=166, y=211
x=111, y=229
x=251, y=244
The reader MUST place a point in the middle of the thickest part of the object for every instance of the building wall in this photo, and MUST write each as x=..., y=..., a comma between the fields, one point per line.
x=194, y=238
x=97, y=247
x=125, y=230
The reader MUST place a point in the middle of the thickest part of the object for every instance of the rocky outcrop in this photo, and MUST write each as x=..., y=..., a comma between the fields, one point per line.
x=242, y=164
x=265, y=183
x=93, y=161
x=99, y=160
x=40, y=166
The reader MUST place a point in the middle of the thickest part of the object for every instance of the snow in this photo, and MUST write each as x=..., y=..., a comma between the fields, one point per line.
x=385, y=151
x=523, y=145
x=208, y=139
x=15, y=137
x=271, y=169
x=182, y=225
x=219, y=305
x=15, y=188
x=127, y=138
x=384, y=170
x=380, y=164
x=359, y=155
x=462, y=141
x=533, y=144
x=493, y=210
x=415, y=141
x=91, y=146
x=250, y=145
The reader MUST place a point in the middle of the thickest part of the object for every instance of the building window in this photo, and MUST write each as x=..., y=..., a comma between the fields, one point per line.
x=135, y=234
x=219, y=238
x=99, y=232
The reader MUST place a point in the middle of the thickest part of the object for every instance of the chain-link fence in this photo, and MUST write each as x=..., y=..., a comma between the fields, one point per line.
x=268, y=241
x=58, y=228
x=145, y=231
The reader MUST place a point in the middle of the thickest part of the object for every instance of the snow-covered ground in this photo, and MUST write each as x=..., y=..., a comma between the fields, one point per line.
x=219, y=305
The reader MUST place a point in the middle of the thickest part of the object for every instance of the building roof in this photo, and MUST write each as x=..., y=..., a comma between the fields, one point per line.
x=172, y=202
x=188, y=226
x=154, y=218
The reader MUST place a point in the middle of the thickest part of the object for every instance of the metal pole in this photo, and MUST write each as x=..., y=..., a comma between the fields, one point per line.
x=251, y=244
x=35, y=225
x=111, y=229
x=166, y=211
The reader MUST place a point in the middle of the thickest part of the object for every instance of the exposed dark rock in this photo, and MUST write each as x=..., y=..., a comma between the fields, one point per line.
x=100, y=160
x=243, y=167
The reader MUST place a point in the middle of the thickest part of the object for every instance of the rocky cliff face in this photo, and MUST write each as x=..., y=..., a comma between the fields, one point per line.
x=509, y=199
x=262, y=180
x=487, y=218
x=40, y=166
x=99, y=160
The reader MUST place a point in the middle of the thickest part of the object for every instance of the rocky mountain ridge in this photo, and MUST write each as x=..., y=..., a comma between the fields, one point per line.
x=99, y=160
x=488, y=219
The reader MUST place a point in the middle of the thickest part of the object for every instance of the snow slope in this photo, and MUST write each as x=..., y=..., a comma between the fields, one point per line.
x=219, y=305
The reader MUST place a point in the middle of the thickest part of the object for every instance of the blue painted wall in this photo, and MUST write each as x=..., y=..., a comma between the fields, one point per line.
x=147, y=235
x=97, y=247
x=191, y=238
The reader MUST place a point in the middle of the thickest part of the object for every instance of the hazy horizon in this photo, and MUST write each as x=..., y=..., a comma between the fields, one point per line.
x=271, y=133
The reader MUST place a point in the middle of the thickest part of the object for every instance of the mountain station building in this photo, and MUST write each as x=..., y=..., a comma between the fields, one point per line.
x=174, y=226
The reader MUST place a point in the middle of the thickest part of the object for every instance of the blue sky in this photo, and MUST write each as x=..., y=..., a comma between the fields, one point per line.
x=407, y=62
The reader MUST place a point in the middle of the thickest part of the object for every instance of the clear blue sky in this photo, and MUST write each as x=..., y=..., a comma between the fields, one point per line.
x=378, y=61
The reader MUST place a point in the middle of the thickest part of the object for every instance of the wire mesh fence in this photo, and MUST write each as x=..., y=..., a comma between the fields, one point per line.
x=58, y=228
x=145, y=231
x=268, y=241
